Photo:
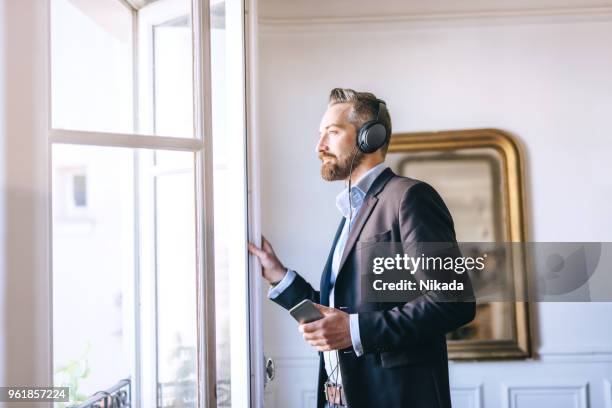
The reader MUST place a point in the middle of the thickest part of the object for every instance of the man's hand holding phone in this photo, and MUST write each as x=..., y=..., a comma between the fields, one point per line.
x=331, y=331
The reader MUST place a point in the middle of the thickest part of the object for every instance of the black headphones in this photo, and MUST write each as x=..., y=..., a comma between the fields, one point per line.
x=373, y=134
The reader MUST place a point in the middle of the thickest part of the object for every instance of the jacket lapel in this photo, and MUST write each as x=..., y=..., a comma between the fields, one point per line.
x=326, y=277
x=363, y=215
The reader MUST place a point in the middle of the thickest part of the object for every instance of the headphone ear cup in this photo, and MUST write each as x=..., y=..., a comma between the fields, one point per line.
x=372, y=136
x=361, y=136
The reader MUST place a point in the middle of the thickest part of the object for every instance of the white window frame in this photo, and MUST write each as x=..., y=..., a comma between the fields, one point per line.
x=145, y=21
x=257, y=363
x=203, y=180
x=26, y=139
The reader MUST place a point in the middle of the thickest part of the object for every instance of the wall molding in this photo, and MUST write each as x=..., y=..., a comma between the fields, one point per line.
x=295, y=374
x=309, y=398
x=549, y=355
x=474, y=394
x=317, y=24
x=578, y=391
x=589, y=354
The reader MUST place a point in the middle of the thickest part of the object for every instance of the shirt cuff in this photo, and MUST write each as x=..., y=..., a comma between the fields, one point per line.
x=282, y=285
x=355, y=337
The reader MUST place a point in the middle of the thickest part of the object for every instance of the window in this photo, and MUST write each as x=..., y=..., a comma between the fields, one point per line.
x=135, y=106
x=71, y=192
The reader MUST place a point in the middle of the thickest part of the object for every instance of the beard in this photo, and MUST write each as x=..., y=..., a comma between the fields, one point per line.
x=339, y=168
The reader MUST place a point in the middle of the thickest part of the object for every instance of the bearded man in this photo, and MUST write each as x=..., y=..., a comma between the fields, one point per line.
x=372, y=354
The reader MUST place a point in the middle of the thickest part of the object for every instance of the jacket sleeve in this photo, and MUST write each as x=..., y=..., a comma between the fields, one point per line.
x=423, y=218
x=297, y=291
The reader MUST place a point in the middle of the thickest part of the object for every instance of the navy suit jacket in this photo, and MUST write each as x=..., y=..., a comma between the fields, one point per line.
x=405, y=362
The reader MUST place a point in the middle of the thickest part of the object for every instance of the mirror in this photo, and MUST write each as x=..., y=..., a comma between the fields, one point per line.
x=479, y=175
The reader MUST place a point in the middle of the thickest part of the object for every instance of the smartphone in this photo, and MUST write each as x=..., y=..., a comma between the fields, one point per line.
x=305, y=312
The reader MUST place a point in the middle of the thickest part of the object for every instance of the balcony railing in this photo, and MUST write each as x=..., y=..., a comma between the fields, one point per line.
x=117, y=396
x=179, y=394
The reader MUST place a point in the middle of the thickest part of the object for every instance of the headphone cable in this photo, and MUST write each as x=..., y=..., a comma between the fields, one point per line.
x=336, y=368
x=349, y=187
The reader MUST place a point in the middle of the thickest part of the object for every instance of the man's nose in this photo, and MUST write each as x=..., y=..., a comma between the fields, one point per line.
x=321, y=146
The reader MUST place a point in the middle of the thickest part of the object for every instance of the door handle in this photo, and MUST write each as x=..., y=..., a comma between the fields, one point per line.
x=269, y=370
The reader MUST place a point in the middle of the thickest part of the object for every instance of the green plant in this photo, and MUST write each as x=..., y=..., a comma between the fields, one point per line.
x=70, y=374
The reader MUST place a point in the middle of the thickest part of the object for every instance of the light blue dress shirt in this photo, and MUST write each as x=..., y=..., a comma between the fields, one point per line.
x=358, y=193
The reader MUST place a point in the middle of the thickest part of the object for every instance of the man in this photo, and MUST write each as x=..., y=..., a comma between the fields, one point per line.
x=372, y=354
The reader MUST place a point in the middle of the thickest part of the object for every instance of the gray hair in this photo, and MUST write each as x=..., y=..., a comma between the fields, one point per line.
x=365, y=107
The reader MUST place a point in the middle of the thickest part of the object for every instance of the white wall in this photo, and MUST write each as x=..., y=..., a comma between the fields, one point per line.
x=547, y=80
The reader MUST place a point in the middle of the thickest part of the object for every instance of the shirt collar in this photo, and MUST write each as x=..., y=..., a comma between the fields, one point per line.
x=358, y=191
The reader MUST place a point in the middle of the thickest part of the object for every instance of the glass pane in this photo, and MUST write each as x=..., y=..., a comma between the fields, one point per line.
x=173, y=78
x=176, y=282
x=93, y=78
x=93, y=268
x=91, y=66
x=165, y=57
x=233, y=327
x=124, y=273
x=223, y=216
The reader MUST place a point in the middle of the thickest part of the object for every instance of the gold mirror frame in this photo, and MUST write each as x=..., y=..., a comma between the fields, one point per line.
x=512, y=176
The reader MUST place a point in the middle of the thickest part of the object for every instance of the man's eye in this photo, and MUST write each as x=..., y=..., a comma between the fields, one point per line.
x=332, y=132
